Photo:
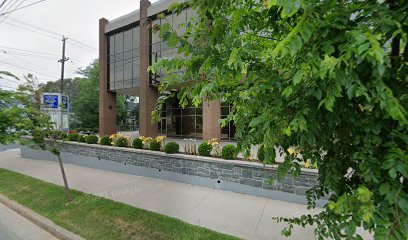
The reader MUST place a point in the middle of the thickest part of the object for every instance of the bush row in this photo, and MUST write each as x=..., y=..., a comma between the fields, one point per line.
x=205, y=149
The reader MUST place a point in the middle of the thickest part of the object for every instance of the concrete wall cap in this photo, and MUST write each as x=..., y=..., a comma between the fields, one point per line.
x=191, y=157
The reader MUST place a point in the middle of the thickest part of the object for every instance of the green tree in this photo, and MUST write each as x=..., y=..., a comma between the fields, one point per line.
x=71, y=87
x=329, y=77
x=85, y=105
x=21, y=115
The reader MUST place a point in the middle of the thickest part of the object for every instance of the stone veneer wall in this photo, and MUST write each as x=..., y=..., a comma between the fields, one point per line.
x=234, y=171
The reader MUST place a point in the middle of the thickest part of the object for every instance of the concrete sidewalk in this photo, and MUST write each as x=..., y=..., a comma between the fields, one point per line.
x=245, y=216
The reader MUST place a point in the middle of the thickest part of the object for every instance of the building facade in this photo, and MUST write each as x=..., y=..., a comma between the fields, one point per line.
x=127, y=47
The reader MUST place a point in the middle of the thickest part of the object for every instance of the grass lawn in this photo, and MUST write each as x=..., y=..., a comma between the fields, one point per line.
x=94, y=217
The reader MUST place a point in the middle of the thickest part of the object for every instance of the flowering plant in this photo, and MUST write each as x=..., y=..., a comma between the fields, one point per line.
x=216, y=149
x=114, y=138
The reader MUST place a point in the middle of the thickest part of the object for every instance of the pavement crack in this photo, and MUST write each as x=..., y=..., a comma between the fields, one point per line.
x=259, y=220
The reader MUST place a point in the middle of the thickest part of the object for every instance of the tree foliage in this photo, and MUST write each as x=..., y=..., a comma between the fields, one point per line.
x=19, y=111
x=83, y=93
x=85, y=106
x=329, y=77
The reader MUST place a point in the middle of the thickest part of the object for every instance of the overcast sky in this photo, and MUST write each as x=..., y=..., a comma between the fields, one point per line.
x=77, y=19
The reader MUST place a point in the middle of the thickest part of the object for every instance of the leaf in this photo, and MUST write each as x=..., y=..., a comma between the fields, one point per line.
x=287, y=131
x=298, y=77
x=362, y=48
x=164, y=29
x=306, y=31
x=173, y=6
x=295, y=45
x=172, y=41
x=271, y=3
x=233, y=57
x=287, y=91
x=270, y=154
x=328, y=48
x=403, y=204
x=364, y=194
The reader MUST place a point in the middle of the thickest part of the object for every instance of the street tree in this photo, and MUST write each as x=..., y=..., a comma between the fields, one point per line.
x=21, y=115
x=328, y=77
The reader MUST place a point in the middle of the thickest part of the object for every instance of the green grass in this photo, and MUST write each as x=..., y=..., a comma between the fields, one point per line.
x=94, y=217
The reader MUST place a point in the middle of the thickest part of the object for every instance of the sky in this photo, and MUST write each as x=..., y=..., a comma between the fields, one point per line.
x=23, y=50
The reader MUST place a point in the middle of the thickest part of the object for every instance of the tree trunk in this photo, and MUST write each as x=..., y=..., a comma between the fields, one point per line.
x=67, y=191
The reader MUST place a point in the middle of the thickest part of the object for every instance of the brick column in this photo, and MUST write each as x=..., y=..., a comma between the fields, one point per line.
x=211, y=117
x=148, y=94
x=107, y=100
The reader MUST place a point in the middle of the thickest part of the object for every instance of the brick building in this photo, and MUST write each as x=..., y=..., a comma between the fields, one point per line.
x=127, y=47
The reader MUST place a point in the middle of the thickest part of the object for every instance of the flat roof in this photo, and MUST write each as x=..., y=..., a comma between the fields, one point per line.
x=134, y=16
x=123, y=21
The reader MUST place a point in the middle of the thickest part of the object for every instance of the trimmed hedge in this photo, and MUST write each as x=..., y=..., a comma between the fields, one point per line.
x=137, y=143
x=171, y=147
x=73, y=137
x=106, y=141
x=122, y=142
x=92, y=139
x=204, y=149
x=154, y=145
x=229, y=152
x=81, y=138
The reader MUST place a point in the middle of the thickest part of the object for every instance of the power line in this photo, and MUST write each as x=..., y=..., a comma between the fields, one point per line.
x=44, y=74
x=29, y=55
x=74, y=42
x=30, y=51
x=30, y=30
x=14, y=6
x=2, y=4
x=19, y=8
x=9, y=4
x=24, y=60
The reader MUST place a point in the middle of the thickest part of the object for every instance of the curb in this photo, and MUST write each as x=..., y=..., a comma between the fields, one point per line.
x=39, y=220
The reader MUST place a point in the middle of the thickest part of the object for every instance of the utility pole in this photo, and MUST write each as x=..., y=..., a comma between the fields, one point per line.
x=64, y=177
x=62, y=61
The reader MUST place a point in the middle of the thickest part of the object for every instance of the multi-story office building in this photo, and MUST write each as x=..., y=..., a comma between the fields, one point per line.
x=127, y=47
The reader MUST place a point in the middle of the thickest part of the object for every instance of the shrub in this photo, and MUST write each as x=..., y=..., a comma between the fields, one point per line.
x=261, y=153
x=171, y=147
x=73, y=137
x=137, y=143
x=81, y=138
x=63, y=135
x=155, y=146
x=55, y=134
x=122, y=142
x=91, y=139
x=229, y=152
x=204, y=149
x=106, y=141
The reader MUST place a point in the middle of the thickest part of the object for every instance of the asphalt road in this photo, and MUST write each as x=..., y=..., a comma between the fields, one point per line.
x=15, y=227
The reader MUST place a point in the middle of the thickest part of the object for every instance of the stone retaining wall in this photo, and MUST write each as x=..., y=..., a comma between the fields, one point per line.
x=233, y=171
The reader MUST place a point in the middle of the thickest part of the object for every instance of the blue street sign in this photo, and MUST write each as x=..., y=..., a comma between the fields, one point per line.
x=65, y=102
x=51, y=101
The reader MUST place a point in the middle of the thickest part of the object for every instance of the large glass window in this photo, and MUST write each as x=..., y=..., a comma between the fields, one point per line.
x=227, y=132
x=178, y=122
x=124, y=59
x=159, y=48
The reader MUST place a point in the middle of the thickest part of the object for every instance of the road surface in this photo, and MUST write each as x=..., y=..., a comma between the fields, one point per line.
x=15, y=227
